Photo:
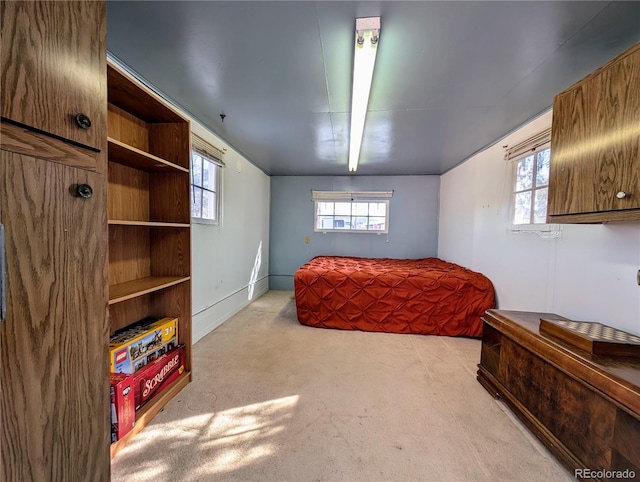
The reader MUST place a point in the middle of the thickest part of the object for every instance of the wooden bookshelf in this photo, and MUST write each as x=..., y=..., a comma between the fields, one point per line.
x=149, y=218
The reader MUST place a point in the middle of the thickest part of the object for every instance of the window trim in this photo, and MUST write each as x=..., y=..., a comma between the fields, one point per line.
x=516, y=160
x=351, y=197
x=513, y=155
x=205, y=155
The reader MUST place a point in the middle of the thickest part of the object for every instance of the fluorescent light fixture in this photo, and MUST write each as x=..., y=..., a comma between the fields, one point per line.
x=364, y=59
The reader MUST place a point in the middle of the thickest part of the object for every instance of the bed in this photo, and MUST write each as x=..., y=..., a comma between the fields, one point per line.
x=421, y=296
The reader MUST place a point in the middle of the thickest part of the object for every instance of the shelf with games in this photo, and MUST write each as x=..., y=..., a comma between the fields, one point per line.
x=149, y=220
x=146, y=413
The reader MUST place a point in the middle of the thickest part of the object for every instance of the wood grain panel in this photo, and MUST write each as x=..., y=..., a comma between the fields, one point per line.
x=171, y=142
x=594, y=218
x=54, y=397
x=128, y=312
x=128, y=197
x=169, y=198
x=170, y=252
x=127, y=128
x=555, y=446
x=574, y=414
x=134, y=98
x=53, y=56
x=41, y=146
x=129, y=253
x=595, y=143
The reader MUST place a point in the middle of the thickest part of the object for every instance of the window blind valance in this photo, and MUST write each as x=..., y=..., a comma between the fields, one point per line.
x=210, y=152
x=529, y=145
x=349, y=195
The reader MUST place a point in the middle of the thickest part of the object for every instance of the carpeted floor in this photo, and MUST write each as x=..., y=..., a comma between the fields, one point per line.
x=272, y=400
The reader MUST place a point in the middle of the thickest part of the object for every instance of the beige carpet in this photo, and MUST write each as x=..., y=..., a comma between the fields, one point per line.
x=273, y=400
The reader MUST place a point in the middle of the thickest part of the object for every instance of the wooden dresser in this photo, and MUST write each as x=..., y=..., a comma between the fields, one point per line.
x=584, y=408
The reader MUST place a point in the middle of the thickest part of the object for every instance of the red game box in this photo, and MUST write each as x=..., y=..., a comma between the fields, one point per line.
x=123, y=414
x=157, y=375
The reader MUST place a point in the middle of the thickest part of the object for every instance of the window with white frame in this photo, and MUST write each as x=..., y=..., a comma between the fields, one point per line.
x=531, y=160
x=206, y=180
x=531, y=190
x=351, y=212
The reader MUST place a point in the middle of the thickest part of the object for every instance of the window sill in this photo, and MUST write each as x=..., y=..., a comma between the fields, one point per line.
x=207, y=222
x=349, y=231
x=547, y=231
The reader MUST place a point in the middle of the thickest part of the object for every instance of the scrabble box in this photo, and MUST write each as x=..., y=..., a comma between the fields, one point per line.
x=141, y=344
x=157, y=376
x=123, y=414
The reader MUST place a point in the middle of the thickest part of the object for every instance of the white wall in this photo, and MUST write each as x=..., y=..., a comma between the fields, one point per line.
x=588, y=274
x=224, y=279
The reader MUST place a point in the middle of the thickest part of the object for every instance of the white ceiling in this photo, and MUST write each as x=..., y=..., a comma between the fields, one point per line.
x=450, y=78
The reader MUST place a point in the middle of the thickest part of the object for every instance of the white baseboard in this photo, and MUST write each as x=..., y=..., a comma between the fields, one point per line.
x=208, y=320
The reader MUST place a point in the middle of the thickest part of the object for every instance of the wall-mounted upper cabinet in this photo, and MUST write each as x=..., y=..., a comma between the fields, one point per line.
x=49, y=74
x=595, y=146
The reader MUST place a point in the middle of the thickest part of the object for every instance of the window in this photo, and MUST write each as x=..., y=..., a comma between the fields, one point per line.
x=531, y=160
x=206, y=175
x=532, y=188
x=351, y=212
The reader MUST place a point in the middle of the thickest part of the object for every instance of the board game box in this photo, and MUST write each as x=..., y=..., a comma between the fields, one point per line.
x=592, y=337
x=141, y=344
x=157, y=375
x=123, y=414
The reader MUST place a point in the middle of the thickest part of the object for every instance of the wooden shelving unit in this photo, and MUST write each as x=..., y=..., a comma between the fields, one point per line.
x=149, y=219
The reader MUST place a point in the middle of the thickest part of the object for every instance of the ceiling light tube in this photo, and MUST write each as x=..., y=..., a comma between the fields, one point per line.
x=364, y=60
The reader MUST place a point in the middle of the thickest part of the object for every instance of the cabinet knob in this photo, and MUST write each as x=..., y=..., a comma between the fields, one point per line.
x=82, y=121
x=84, y=191
x=621, y=195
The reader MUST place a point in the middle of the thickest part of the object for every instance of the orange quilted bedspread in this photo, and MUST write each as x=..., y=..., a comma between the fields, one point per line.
x=424, y=296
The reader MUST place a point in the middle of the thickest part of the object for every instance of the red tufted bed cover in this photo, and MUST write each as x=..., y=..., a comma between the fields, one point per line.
x=422, y=296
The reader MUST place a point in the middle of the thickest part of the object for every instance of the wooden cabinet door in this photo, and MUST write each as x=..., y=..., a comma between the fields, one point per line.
x=53, y=58
x=595, y=143
x=54, y=401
